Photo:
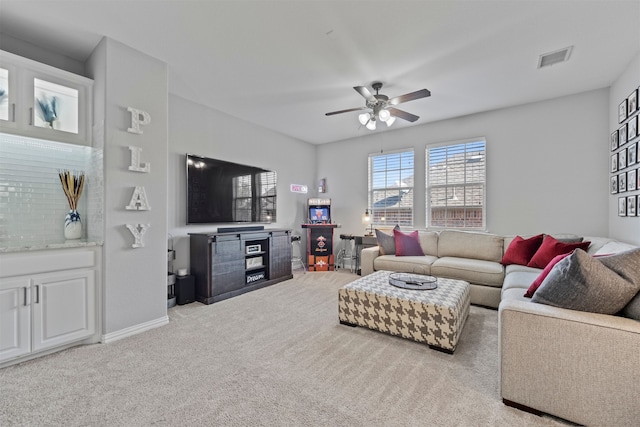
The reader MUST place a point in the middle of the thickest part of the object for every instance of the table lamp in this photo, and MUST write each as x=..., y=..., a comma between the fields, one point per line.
x=366, y=221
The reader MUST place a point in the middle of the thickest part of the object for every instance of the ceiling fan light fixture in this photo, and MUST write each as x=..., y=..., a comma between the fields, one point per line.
x=384, y=115
x=364, y=118
x=371, y=125
x=390, y=121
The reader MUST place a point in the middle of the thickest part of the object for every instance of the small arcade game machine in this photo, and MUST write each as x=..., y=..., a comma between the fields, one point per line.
x=320, y=235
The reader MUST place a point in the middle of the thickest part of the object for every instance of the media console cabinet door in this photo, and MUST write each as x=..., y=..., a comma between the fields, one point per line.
x=280, y=254
x=227, y=266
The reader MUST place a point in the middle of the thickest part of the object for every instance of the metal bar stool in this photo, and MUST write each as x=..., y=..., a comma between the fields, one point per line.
x=346, y=251
x=296, y=253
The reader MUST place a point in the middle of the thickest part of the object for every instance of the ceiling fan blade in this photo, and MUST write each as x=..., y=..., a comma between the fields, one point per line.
x=345, y=111
x=365, y=93
x=422, y=93
x=403, y=115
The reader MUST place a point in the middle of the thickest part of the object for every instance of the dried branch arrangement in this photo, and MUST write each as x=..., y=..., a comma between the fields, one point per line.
x=72, y=184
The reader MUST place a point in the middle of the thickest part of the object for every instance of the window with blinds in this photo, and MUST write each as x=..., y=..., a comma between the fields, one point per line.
x=391, y=178
x=456, y=185
x=261, y=208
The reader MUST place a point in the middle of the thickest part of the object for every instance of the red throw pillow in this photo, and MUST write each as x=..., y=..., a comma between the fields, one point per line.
x=520, y=251
x=536, y=283
x=407, y=244
x=551, y=247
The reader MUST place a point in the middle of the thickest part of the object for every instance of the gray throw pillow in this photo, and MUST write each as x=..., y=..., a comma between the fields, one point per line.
x=632, y=310
x=598, y=285
x=386, y=243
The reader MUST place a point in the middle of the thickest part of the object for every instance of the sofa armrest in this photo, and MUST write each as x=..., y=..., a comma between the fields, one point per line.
x=579, y=366
x=366, y=259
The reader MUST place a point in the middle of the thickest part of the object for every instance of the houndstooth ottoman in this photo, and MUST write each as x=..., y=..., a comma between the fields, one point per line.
x=435, y=317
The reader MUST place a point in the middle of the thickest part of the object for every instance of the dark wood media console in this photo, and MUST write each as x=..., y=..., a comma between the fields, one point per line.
x=232, y=263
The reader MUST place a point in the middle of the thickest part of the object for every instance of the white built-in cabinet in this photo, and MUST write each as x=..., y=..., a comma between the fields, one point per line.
x=48, y=300
x=41, y=101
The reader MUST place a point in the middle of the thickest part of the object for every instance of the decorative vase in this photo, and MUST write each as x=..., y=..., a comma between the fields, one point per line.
x=72, y=225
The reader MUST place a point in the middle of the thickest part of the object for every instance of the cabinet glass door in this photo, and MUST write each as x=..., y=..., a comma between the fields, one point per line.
x=4, y=94
x=55, y=106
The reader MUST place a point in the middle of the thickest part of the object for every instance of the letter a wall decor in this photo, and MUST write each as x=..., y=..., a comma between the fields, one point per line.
x=138, y=200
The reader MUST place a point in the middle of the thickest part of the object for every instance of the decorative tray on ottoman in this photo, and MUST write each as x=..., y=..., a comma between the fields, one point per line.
x=413, y=281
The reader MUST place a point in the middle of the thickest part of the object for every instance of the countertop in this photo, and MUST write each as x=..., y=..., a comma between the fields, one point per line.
x=17, y=246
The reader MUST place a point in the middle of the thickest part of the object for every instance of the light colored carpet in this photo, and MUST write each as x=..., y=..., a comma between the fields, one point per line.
x=272, y=357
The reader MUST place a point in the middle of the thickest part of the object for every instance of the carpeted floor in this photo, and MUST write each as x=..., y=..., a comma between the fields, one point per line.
x=272, y=357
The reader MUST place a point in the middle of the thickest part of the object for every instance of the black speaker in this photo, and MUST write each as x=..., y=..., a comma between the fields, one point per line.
x=185, y=289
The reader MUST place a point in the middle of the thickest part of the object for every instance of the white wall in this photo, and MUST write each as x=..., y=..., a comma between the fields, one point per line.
x=134, y=282
x=546, y=166
x=626, y=229
x=37, y=53
x=196, y=129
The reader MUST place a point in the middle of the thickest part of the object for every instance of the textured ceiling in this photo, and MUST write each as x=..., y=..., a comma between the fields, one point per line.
x=283, y=64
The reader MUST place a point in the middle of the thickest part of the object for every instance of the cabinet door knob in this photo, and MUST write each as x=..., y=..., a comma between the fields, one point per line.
x=37, y=294
x=13, y=112
x=26, y=296
x=30, y=116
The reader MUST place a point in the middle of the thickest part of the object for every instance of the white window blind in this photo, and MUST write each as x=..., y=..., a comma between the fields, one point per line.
x=391, y=178
x=456, y=185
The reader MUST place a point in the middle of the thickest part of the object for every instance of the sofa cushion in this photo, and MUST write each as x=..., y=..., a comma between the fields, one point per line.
x=386, y=242
x=599, y=285
x=515, y=267
x=405, y=264
x=552, y=247
x=407, y=244
x=429, y=242
x=520, y=250
x=482, y=272
x=473, y=245
x=519, y=280
x=613, y=248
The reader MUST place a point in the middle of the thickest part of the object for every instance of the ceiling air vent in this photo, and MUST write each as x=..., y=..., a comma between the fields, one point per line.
x=547, y=59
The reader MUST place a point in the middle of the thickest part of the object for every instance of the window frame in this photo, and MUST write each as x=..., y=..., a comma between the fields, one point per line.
x=429, y=221
x=378, y=215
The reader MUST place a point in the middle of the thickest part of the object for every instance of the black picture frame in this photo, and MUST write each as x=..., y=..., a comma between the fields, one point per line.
x=622, y=135
x=622, y=206
x=622, y=182
x=631, y=206
x=614, y=140
x=632, y=102
x=614, y=184
x=622, y=159
x=632, y=154
x=622, y=111
x=632, y=180
x=614, y=162
x=632, y=128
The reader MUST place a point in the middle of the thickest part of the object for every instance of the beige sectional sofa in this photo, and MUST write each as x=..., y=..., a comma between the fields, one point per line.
x=579, y=366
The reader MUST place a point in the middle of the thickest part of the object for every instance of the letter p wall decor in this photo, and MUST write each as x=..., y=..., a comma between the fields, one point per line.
x=138, y=117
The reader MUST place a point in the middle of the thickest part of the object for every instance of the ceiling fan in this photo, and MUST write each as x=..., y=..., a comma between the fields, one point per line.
x=382, y=107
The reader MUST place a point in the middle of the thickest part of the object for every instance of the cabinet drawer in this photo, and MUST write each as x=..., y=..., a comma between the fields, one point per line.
x=18, y=264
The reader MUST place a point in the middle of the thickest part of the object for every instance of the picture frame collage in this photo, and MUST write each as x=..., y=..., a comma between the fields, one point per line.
x=625, y=156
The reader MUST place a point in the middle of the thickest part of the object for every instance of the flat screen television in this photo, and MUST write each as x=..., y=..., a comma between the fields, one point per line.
x=224, y=192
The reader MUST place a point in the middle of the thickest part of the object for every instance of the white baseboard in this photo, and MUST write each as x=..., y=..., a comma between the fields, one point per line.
x=133, y=330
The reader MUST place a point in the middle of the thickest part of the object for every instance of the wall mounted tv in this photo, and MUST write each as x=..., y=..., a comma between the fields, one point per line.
x=224, y=192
